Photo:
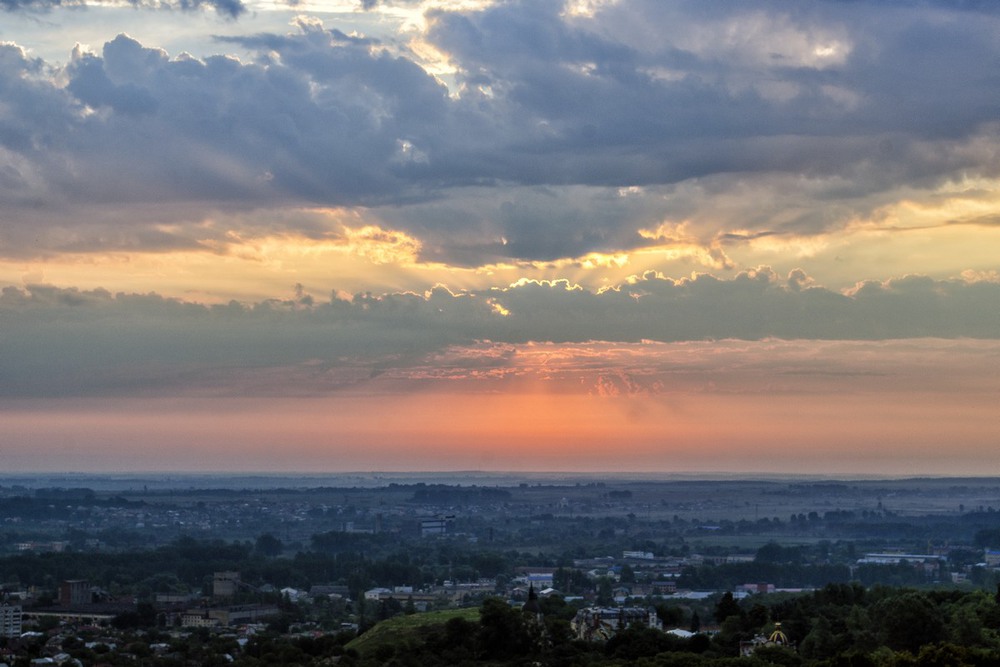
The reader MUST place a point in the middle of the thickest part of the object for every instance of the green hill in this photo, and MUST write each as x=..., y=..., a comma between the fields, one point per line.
x=401, y=628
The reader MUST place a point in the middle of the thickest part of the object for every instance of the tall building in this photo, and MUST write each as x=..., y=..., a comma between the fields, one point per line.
x=73, y=592
x=10, y=620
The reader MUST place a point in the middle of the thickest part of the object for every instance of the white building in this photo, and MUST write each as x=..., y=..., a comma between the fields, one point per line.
x=377, y=593
x=10, y=620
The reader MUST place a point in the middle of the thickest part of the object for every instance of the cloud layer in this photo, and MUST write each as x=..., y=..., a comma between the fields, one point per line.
x=518, y=142
x=77, y=343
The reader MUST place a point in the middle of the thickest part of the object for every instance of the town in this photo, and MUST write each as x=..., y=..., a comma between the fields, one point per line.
x=114, y=570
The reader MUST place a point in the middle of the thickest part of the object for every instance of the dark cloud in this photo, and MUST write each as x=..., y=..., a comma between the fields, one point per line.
x=73, y=342
x=861, y=100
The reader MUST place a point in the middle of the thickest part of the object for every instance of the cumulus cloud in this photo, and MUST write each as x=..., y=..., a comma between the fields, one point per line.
x=820, y=112
x=75, y=342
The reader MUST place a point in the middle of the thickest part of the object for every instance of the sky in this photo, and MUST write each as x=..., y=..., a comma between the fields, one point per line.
x=550, y=235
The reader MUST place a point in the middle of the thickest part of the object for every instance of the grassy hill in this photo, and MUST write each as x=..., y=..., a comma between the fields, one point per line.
x=401, y=628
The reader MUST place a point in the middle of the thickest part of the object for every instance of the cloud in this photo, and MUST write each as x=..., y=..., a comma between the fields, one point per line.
x=229, y=8
x=756, y=118
x=77, y=342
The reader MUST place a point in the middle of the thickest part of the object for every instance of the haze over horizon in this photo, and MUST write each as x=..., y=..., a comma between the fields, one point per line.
x=573, y=235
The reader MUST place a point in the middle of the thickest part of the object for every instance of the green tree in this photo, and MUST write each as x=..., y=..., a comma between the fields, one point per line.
x=503, y=631
x=605, y=591
x=695, y=622
x=907, y=621
x=671, y=616
x=726, y=607
x=820, y=643
x=268, y=545
x=756, y=617
x=966, y=629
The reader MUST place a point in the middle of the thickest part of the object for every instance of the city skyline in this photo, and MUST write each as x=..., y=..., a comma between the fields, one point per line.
x=590, y=235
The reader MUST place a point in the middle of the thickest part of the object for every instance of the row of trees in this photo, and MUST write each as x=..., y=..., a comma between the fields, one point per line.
x=838, y=625
x=362, y=561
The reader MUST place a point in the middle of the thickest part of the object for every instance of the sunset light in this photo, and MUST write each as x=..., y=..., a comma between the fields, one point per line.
x=590, y=235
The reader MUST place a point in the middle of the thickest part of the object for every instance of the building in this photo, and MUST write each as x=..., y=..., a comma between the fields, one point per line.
x=602, y=623
x=88, y=616
x=213, y=617
x=74, y=592
x=540, y=579
x=329, y=590
x=378, y=594
x=440, y=525
x=663, y=587
x=776, y=638
x=55, y=547
x=225, y=584
x=757, y=588
x=199, y=619
x=10, y=620
x=931, y=564
x=897, y=558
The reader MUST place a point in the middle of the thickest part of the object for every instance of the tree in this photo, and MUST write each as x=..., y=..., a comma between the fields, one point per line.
x=966, y=629
x=268, y=545
x=144, y=616
x=772, y=552
x=757, y=617
x=388, y=608
x=820, y=642
x=778, y=655
x=638, y=642
x=726, y=607
x=453, y=642
x=503, y=632
x=605, y=591
x=695, y=622
x=671, y=616
x=908, y=621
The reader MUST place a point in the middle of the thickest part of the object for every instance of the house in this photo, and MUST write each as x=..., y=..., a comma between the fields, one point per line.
x=378, y=593
x=602, y=623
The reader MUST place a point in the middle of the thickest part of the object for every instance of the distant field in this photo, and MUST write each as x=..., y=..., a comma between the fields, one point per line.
x=750, y=543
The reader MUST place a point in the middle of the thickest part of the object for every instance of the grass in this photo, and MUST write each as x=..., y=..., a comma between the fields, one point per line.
x=400, y=628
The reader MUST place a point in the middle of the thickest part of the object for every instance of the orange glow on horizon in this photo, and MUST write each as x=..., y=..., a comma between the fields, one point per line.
x=518, y=432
